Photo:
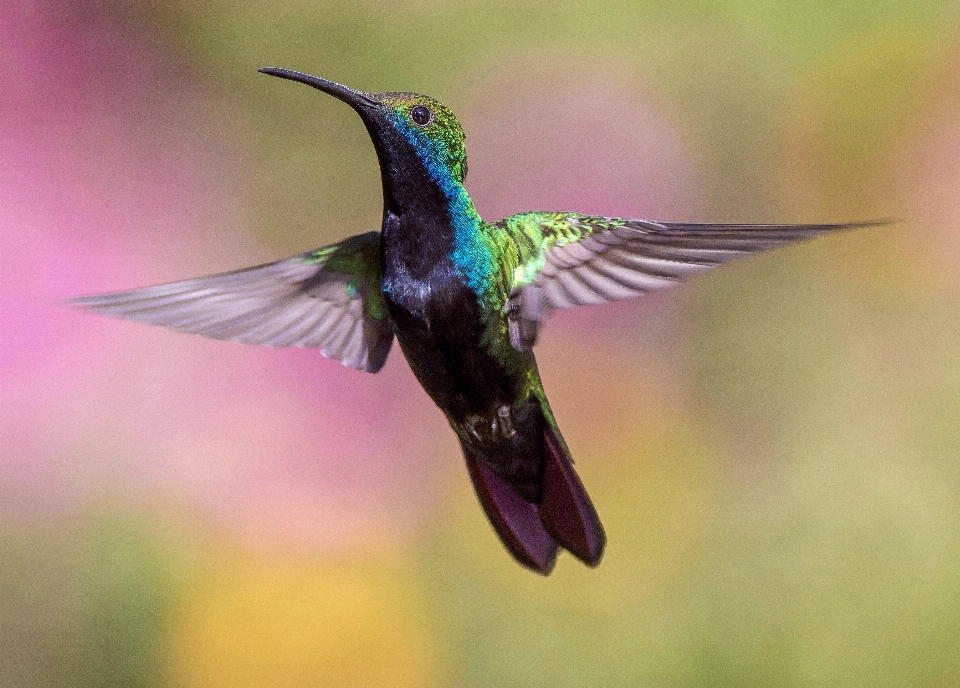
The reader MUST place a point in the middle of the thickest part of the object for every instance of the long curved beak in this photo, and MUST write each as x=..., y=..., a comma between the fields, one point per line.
x=356, y=99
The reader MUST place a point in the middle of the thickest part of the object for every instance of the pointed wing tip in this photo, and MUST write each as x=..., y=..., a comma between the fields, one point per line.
x=860, y=224
x=880, y=222
x=97, y=303
x=79, y=301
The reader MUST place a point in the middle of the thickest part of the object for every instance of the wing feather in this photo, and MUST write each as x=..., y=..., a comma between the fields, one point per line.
x=329, y=299
x=567, y=260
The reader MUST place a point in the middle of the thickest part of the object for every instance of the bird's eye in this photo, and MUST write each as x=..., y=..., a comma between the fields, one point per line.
x=421, y=115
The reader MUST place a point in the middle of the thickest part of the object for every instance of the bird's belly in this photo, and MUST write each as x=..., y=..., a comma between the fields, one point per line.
x=452, y=348
x=462, y=357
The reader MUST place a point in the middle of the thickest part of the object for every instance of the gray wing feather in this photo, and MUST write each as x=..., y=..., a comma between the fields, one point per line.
x=292, y=302
x=640, y=256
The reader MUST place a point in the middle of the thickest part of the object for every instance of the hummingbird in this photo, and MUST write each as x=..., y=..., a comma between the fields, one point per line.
x=465, y=299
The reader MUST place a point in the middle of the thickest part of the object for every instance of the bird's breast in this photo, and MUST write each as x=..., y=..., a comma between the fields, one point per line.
x=424, y=296
x=449, y=333
x=419, y=277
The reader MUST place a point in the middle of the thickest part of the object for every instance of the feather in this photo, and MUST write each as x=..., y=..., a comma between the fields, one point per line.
x=514, y=519
x=569, y=260
x=329, y=299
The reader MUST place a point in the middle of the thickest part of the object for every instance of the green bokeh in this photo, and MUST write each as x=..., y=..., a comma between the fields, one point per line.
x=87, y=606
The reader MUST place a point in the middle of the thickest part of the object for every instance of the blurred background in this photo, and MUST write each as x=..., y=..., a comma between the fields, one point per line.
x=774, y=449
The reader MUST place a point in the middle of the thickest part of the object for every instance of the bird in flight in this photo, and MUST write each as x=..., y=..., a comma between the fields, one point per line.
x=465, y=299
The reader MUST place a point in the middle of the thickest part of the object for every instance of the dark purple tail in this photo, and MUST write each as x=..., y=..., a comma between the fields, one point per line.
x=515, y=519
x=566, y=511
x=532, y=532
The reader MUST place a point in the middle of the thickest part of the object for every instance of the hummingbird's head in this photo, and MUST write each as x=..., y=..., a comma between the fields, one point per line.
x=430, y=127
x=417, y=137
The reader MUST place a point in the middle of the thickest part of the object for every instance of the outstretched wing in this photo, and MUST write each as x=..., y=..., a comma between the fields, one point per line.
x=566, y=260
x=329, y=298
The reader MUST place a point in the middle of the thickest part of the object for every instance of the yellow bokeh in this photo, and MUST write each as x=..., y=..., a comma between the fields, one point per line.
x=257, y=622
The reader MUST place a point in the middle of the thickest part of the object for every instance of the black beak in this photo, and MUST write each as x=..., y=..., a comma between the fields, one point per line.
x=357, y=99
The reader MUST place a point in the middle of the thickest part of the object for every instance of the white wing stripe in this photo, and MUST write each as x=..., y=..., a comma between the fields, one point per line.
x=328, y=325
x=699, y=255
x=596, y=243
x=634, y=279
x=354, y=346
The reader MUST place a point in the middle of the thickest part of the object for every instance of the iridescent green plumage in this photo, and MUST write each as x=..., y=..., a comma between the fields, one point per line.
x=464, y=299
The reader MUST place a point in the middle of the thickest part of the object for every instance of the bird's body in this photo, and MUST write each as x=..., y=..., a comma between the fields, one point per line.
x=446, y=280
x=464, y=298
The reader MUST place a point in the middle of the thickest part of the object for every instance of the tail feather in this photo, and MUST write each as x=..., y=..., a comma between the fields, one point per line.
x=566, y=510
x=533, y=531
x=516, y=520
